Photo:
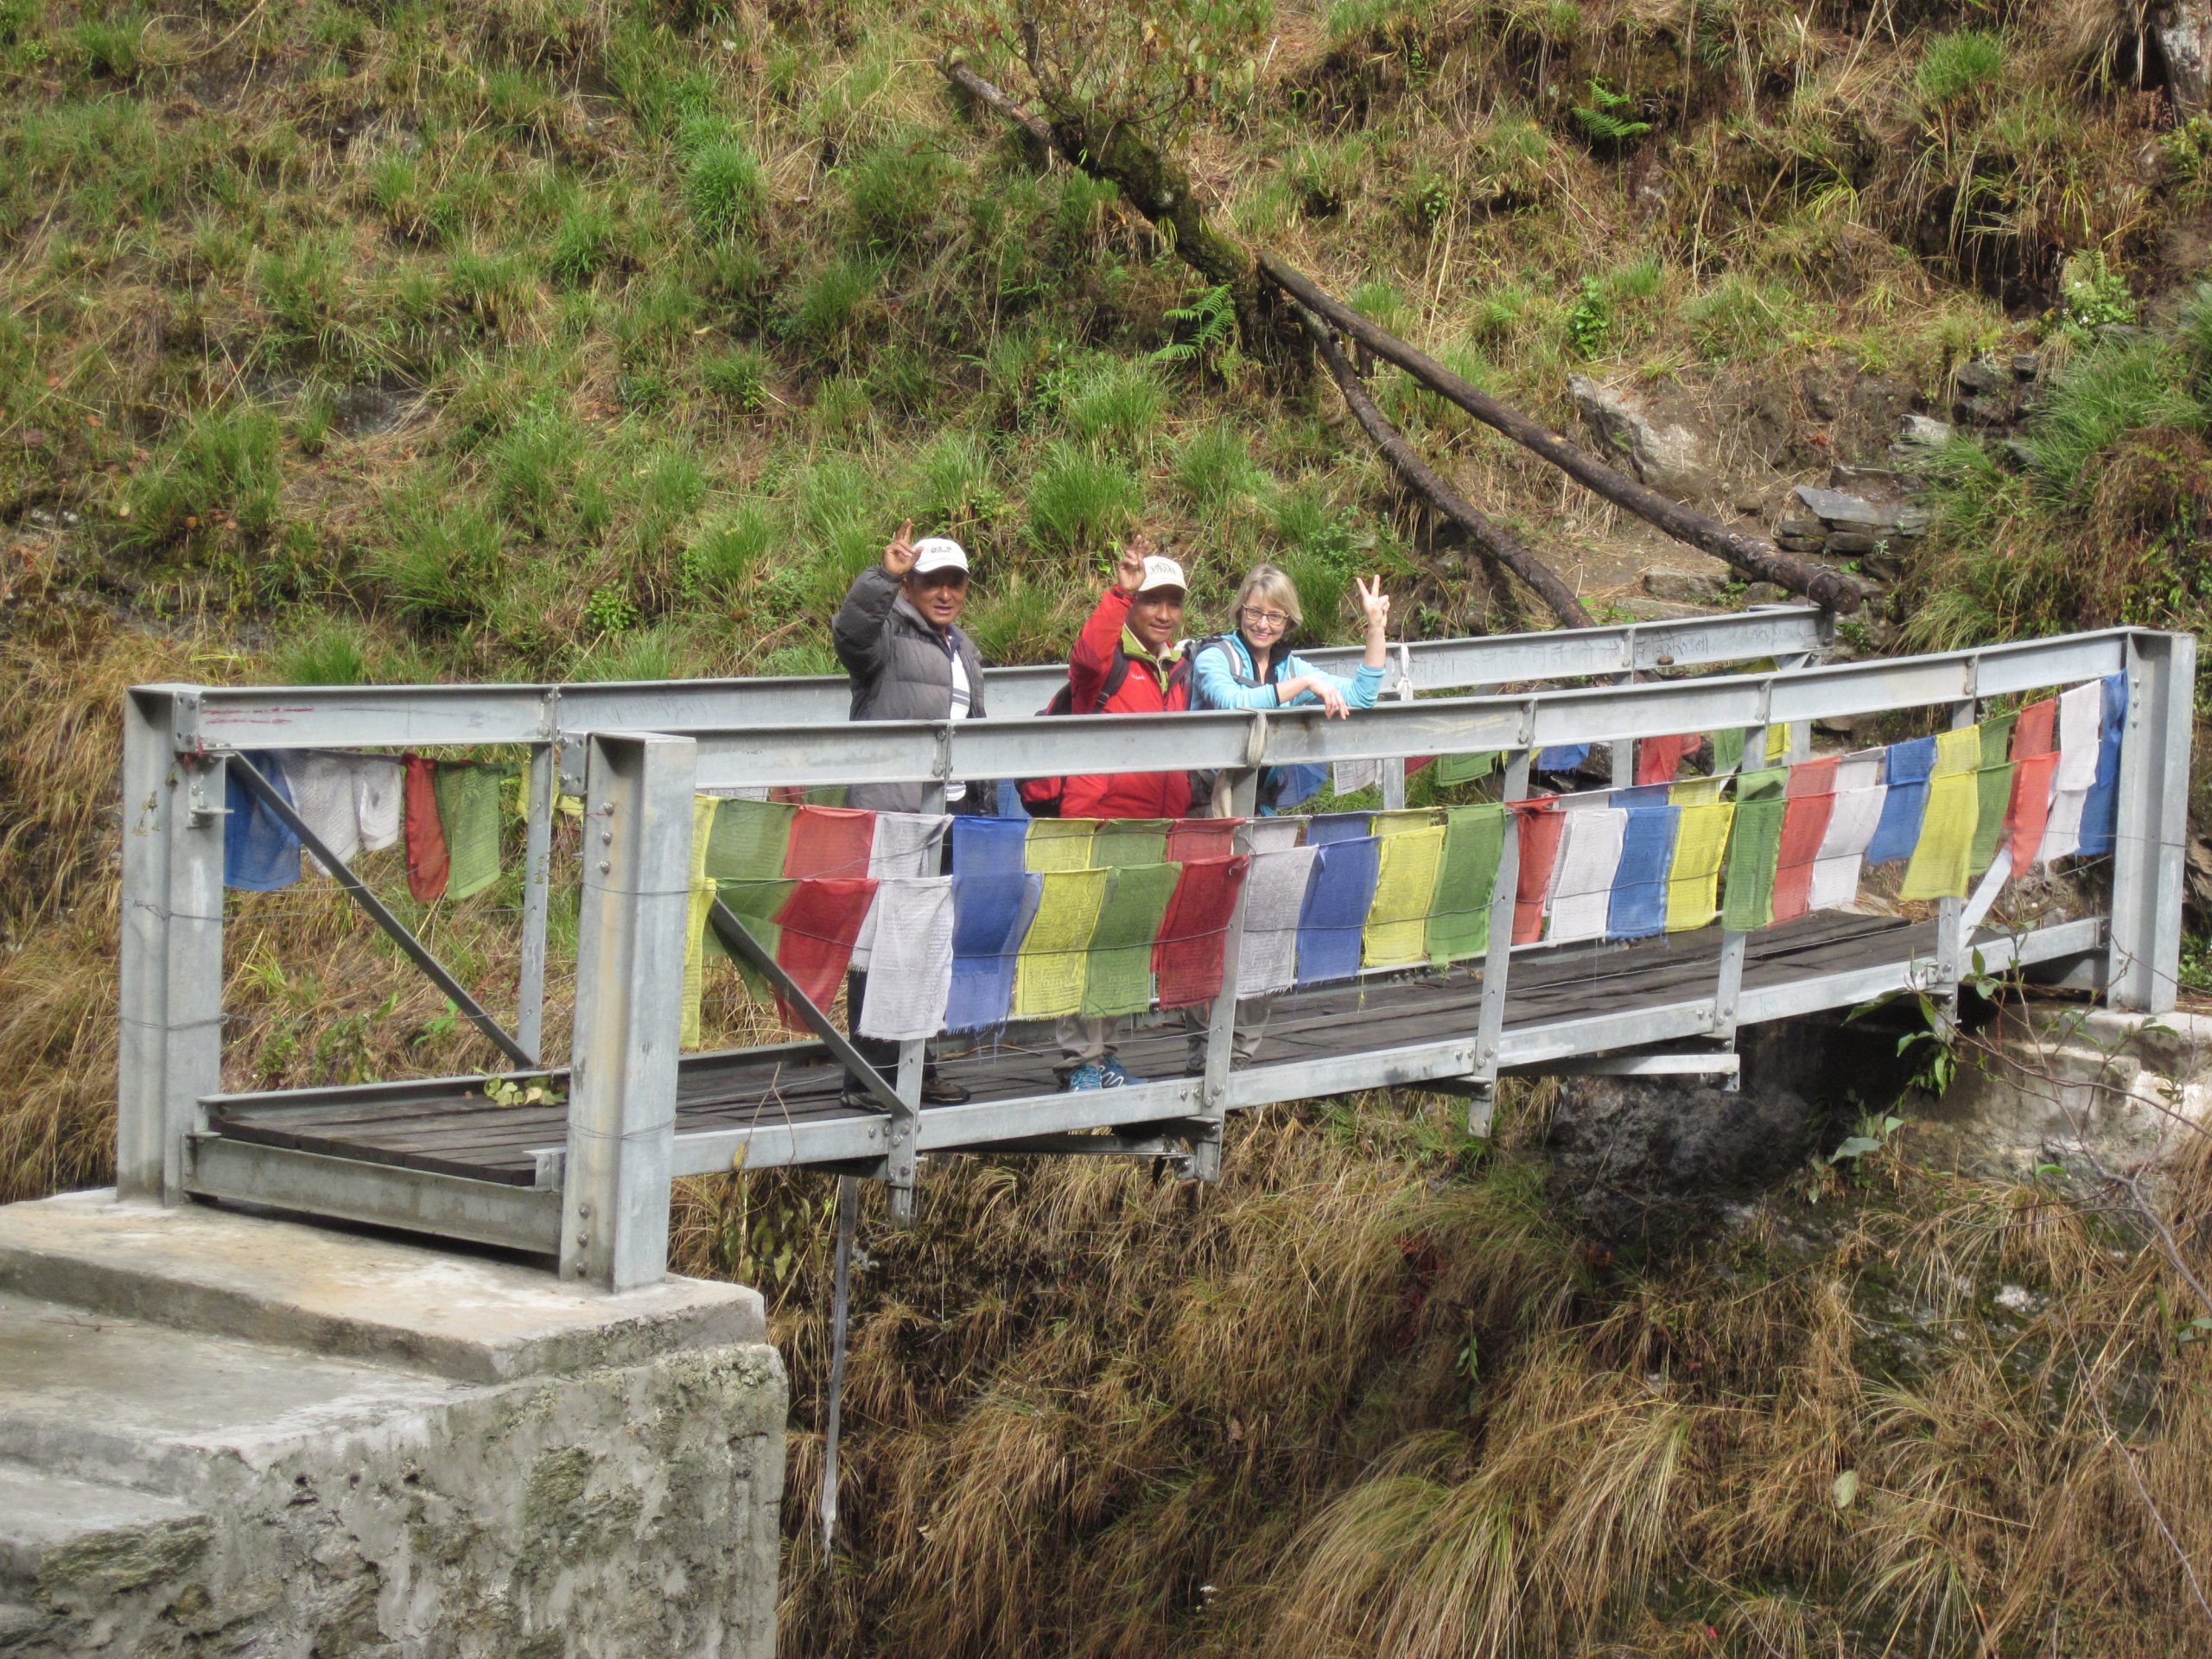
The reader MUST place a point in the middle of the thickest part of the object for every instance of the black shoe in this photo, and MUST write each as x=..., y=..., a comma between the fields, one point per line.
x=942, y=1091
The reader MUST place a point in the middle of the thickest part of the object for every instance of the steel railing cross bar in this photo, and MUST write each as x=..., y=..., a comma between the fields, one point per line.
x=416, y=950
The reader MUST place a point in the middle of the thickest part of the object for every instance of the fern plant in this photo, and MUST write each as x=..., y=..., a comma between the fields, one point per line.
x=1605, y=118
x=1206, y=328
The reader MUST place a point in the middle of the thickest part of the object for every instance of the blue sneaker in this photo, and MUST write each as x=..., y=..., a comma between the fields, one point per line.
x=1111, y=1075
x=1085, y=1077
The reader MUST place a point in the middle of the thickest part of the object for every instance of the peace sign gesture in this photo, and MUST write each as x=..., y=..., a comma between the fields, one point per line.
x=1377, y=604
x=1128, y=569
x=899, y=554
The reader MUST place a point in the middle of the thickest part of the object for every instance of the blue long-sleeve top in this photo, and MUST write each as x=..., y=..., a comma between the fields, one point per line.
x=1221, y=678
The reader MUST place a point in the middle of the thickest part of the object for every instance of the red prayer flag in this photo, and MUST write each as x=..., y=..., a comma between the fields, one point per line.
x=1812, y=777
x=2036, y=733
x=2030, y=807
x=829, y=840
x=1186, y=958
x=817, y=926
x=1658, y=759
x=1541, y=824
x=1804, y=821
x=1198, y=838
x=427, y=862
x=1415, y=762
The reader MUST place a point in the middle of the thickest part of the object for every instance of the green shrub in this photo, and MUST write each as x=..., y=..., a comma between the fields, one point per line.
x=726, y=551
x=1739, y=318
x=326, y=651
x=1017, y=619
x=723, y=186
x=442, y=557
x=1117, y=404
x=1969, y=64
x=955, y=484
x=1078, y=500
x=827, y=309
x=222, y=468
x=582, y=243
x=670, y=488
x=738, y=376
x=611, y=610
x=1215, y=468
x=893, y=191
x=2103, y=394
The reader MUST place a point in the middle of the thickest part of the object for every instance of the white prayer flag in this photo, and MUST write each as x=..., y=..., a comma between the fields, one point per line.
x=2080, y=712
x=322, y=787
x=1273, y=834
x=377, y=787
x=910, y=975
x=907, y=844
x=1582, y=876
x=1837, y=867
x=1275, y=889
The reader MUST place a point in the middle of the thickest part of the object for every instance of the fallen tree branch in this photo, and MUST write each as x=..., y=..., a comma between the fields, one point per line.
x=1493, y=542
x=1753, y=555
x=1159, y=188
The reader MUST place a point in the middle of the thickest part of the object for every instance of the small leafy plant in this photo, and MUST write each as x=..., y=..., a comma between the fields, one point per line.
x=1606, y=117
x=537, y=1091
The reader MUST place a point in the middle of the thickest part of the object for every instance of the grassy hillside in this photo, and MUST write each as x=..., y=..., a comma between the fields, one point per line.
x=569, y=338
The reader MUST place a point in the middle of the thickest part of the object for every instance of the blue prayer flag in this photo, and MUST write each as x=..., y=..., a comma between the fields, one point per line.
x=1334, y=916
x=2100, y=811
x=259, y=854
x=1639, y=903
x=990, y=915
x=1910, y=765
x=1639, y=795
x=1562, y=756
x=1010, y=802
x=988, y=846
x=1324, y=828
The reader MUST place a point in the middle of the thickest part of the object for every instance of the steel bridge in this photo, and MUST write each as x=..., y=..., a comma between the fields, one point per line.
x=585, y=1183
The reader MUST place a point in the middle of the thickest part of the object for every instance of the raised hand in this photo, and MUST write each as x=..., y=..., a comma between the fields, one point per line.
x=899, y=553
x=1128, y=569
x=1375, y=603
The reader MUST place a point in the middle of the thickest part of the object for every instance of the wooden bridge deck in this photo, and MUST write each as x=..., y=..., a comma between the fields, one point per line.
x=782, y=1106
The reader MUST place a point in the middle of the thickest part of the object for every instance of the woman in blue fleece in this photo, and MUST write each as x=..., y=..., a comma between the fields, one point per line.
x=1252, y=669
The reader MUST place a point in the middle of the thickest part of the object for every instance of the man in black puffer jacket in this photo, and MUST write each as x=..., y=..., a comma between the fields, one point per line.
x=898, y=636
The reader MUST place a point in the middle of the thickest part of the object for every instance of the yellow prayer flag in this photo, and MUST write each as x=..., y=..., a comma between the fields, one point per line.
x=1694, y=879
x=1055, y=962
x=570, y=805
x=1958, y=751
x=1399, y=820
x=1778, y=743
x=1396, y=935
x=1060, y=843
x=695, y=924
x=1942, y=856
x=1696, y=791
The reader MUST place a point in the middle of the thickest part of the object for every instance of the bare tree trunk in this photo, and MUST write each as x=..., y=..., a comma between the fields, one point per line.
x=1490, y=540
x=1751, y=554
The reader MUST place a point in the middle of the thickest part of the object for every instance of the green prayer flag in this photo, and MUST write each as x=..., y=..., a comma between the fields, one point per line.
x=1771, y=784
x=750, y=840
x=1728, y=750
x=1754, y=849
x=1465, y=768
x=1120, y=977
x=1459, y=919
x=757, y=903
x=1129, y=841
x=468, y=812
x=1997, y=738
x=1993, y=786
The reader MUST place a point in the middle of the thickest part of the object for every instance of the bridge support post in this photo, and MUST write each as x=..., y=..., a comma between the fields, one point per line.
x=170, y=1046
x=637, y=867
x=537, y=879
x=2144, y=960
x=898, y=1165
x=1243, y=787
x=1490, y=1019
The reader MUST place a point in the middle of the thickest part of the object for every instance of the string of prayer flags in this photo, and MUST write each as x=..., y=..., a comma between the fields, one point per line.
x=260, y=853
x=1466, y=880
x=819, y=924
x=1694, y=879
x=468, y=810
x=1582, y=876
x=1275, y=899
x=989, y=846
x=1060, y=843
x=829, y=840
x=1338, y=898
x=2100, y=811
x=1810, y=802
x=1129, y=841
x=1455, y=769
x=1186, y=961
x=1853, y=817
x=1638, y=906
x=1050, y=972
x=1273, y=834
x=1754, y=852
x=1118, y=977
x=1906, y=780
x=910, y=971
x=1944, y=849
x=696, y=918
x=1324, y=828
x=907, y=845
x=1396, y=935
x=1658, y=759
x=991, y=914
x=1540, y=824
x=427, y=864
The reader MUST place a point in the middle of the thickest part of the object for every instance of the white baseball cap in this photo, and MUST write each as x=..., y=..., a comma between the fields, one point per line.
x=1162, y=572
x=938, y=553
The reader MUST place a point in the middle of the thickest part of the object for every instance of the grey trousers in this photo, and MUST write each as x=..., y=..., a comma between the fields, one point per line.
x=1244, y=1041
x=1085, y=1039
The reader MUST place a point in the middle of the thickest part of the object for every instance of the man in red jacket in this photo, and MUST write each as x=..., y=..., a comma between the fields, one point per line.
x=1129, y=660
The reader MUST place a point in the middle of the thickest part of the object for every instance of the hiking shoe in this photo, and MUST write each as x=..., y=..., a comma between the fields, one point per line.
x=1083, y=1077
x=942, y=1091
x=1111, y=1074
